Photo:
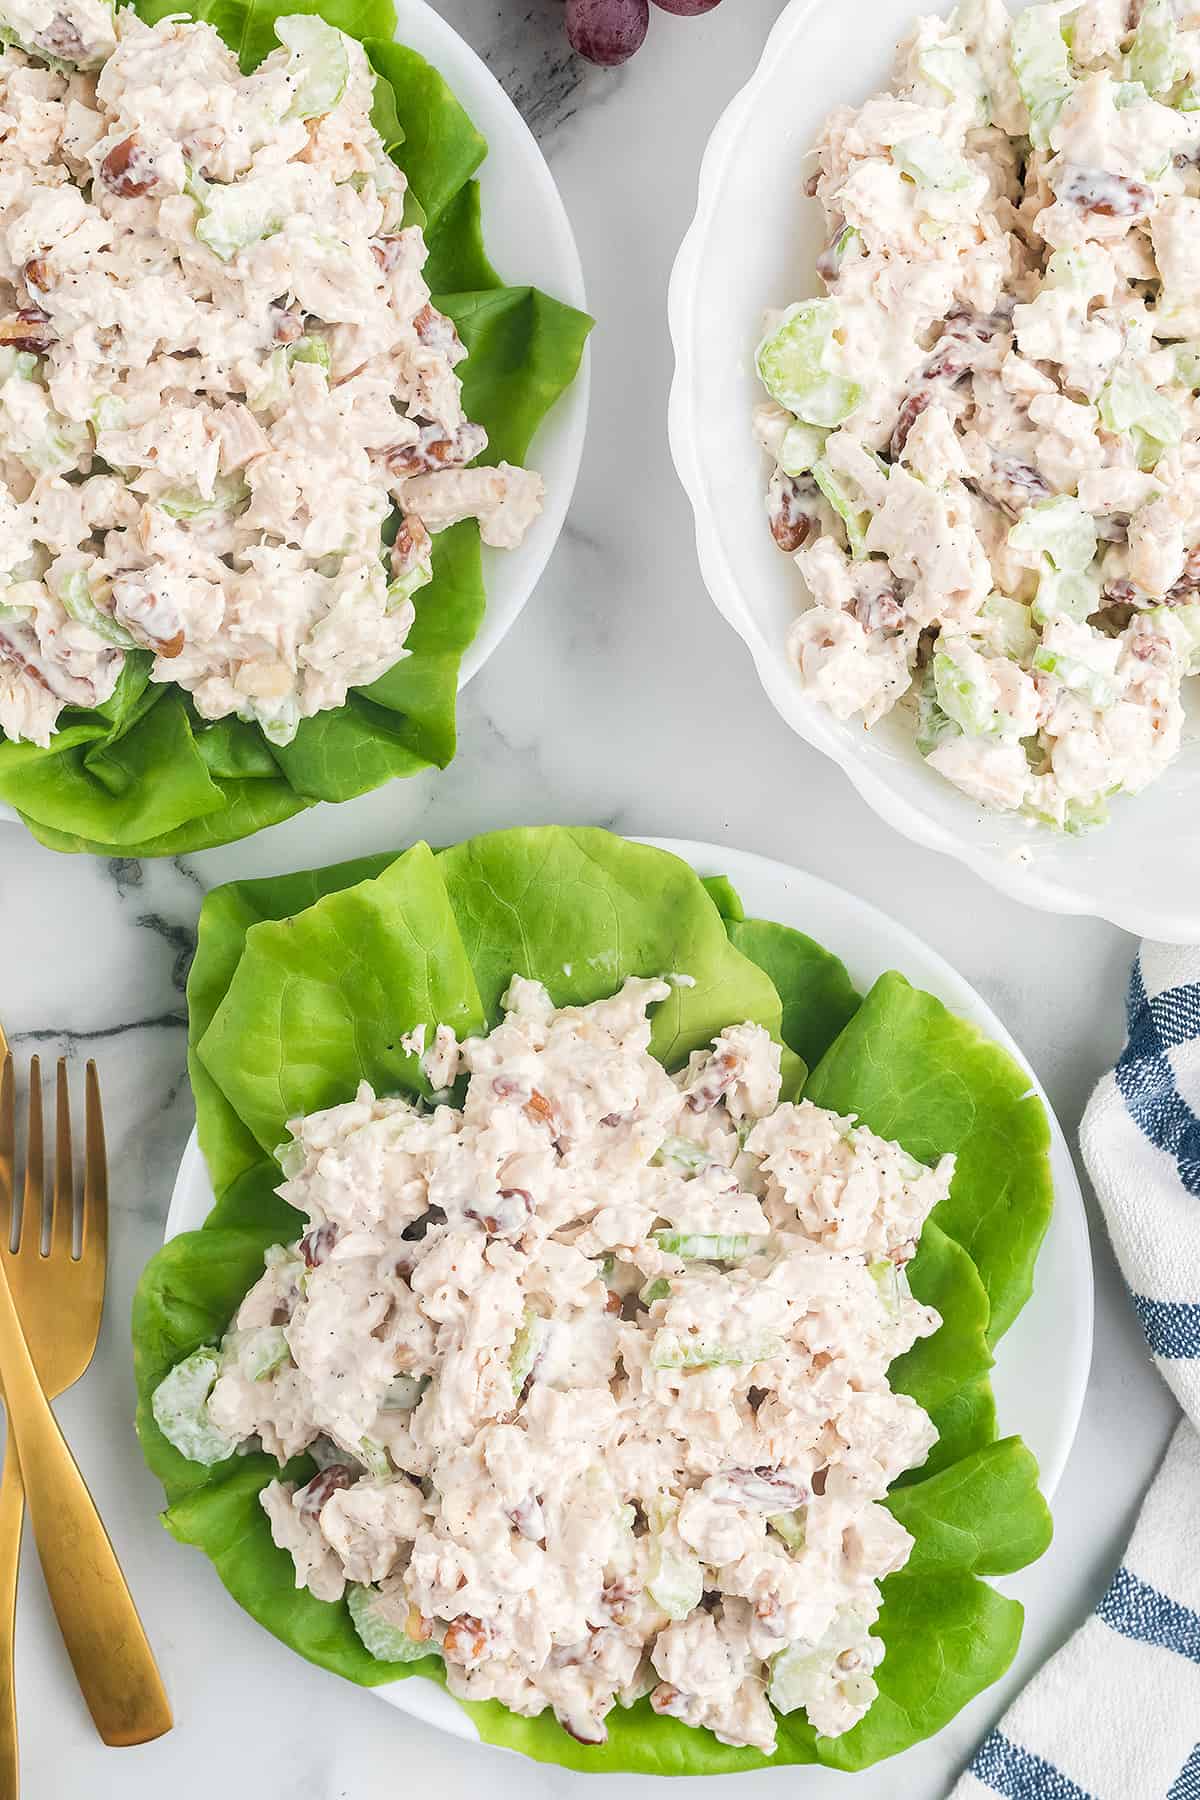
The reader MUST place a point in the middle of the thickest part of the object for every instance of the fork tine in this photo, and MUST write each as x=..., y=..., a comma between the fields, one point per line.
x=94, y=1239
x=29, y=1225
x=8, y=1137
x=62, y=1219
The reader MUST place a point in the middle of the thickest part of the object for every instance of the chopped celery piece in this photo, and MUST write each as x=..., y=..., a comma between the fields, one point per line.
x=1042, y=66
x=964, y=695
x=1075, y=595
x=796, y=362
x=262, y=1350
x=802, y=445
x=74, y=590
x=108, y=414
x=1077, y=267
x=1189, y=100
x=1013, y=633
x=957, y=74
x=230, y=494
x=404, y=1392
x=857, y=519
x=1187, y=363
x=373, y=1457
x=926, y=160
x=658, y=1289
x=1059, y=529
x=1082, y=816
x=527, y=1347
x=381, y=1639
x=319, y=66
x=310, y=350
x=405, y=586
x=180, y=1408
x=934, y=724
x=670, y=1351
x=683, y=1152
x=1129, y=403
x=194, y=184
x=1094, y=685
x=1182, y=624
x=886, y=1277
x=791, y=1527
x=710, y=1246
x=21, y=364
x=270, y=387
x=239, y=213
x=675, y=1579
x=795, y=1673
x=1153, y=58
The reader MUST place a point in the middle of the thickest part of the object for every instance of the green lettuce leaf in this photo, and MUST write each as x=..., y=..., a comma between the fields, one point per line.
x=347, y=978
x=913, y=1071
x=818, y=996
x=303, y=984
x=143, y=775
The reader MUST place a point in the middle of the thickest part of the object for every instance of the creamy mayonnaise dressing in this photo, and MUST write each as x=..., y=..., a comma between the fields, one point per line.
x=595, y=1367
x=986, y=433
x=220, y=372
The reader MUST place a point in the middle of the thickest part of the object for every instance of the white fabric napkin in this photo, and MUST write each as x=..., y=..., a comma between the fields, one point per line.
x=1115, y=1714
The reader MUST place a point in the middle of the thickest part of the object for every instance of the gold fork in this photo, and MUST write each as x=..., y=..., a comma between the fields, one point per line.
x=58, y=1297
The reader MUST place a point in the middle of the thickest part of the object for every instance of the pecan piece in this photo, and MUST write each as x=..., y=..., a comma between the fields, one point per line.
x=539, y=1110
x=28, y=329
x=287, y=323
x=1099, y=191
x=128, y=170
x=716, y=1079
x=437, y=332
x=792, y=509
x=466, y=1640
x=317, y=1242
x=410, y=546
x=436, y=448
x=309, y=1500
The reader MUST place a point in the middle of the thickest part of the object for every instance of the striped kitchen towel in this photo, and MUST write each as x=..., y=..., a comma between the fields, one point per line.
x=1115, y=1715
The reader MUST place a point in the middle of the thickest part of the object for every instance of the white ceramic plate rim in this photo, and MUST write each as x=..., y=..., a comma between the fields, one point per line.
x=530, y=237
x=869, y=943
x=1149, y=915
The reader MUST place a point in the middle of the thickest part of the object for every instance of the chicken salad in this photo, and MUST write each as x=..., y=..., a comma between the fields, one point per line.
x=984, y=433
x=594, y=1365
x=221, y=376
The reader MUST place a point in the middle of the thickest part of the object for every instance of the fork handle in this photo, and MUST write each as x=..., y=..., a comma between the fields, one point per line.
x=113, y=1662
x=12, y=1513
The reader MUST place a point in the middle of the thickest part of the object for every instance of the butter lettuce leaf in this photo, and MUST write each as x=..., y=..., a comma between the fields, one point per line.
x=913, y=1071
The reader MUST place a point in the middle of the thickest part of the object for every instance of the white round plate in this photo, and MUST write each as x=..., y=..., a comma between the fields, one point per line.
x=529, y=239
x=753, y=244
x=1042, y=1364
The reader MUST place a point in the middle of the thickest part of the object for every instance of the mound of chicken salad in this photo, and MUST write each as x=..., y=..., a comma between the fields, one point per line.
x=594, y=1369
x=986, y=433
x=220, y=373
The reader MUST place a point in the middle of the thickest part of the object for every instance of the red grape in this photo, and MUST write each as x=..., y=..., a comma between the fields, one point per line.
x=687, y=9
x=607, y=31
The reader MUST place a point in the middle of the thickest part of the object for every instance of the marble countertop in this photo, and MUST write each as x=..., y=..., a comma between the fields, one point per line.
x=619, y=699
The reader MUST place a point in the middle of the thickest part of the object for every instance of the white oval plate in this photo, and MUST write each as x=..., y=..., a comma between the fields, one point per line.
x=529, y=238
x=1042, y=1365
x=753, y=244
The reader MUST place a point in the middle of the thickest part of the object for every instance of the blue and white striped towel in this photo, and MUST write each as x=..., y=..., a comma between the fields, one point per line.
x=1115, y=1715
